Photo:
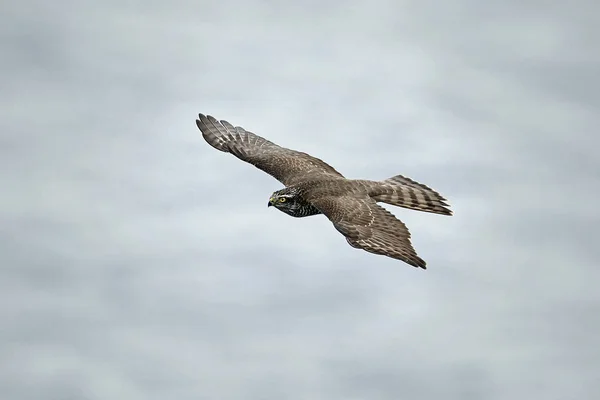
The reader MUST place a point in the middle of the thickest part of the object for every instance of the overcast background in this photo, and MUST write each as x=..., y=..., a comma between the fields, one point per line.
x=139, y=263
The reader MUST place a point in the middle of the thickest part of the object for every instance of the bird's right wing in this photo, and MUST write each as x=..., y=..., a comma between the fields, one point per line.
x=286, y=165
x=370, y=227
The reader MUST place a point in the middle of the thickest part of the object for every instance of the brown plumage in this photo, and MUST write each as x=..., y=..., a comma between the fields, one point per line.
x=314, y=187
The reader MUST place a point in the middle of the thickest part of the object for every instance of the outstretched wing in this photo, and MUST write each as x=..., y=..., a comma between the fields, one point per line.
x=287, y=166
x=370, y=227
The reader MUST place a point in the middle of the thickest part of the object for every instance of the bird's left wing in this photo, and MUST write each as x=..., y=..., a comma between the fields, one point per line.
x=370, y=227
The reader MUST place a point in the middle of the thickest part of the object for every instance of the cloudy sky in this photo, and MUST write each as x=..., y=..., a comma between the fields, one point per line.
x=137, y=262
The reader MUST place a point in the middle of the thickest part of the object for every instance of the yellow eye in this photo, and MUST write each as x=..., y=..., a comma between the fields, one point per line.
x=282, y=199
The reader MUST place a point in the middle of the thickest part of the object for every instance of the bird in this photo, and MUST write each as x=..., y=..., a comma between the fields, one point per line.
x=314, y=187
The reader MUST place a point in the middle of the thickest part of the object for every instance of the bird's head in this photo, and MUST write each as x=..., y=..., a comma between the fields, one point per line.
x=286, y=200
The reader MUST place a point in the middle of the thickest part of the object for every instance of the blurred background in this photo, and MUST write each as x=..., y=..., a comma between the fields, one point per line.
x=136, y=262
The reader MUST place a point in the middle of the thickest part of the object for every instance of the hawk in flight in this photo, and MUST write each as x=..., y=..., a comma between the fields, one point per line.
x=314, y=187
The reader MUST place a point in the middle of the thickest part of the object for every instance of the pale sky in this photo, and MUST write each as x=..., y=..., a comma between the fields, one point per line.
x=137, y=262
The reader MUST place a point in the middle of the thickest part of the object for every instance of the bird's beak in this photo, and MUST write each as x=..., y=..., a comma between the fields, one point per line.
x=270, y=202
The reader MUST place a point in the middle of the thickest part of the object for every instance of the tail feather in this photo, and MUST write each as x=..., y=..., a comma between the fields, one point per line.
x=404, y=192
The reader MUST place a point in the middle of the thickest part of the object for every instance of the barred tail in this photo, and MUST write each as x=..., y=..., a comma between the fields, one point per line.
x=404, y=192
